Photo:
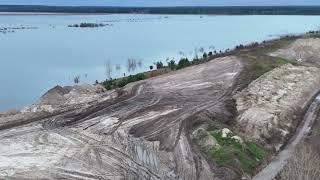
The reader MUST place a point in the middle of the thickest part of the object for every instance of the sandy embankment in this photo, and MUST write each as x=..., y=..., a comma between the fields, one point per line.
x=276, y=115
x=302, y=50
x=140, y=132
x=270, y=107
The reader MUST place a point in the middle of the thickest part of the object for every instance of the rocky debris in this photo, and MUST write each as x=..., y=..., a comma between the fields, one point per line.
x=302, y=50
x=204, y=139
x=268, y=106
x=9, y=113
x=225, y=132
x=237, y=139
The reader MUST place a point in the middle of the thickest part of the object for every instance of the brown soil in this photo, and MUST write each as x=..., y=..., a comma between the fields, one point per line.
x=139, y=132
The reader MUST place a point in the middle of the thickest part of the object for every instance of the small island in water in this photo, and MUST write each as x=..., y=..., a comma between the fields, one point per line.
x=89, y=25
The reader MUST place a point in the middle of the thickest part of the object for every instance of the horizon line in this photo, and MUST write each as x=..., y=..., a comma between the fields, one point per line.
x=176, y=6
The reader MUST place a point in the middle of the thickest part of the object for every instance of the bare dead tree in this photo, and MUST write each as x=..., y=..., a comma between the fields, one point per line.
x=201, y=50
x=108, y=70
x=182, y=54
x=196, y=51
x=131, y=64
x=304, y=165
x=140, y=63
x=118, y=67
x=128, y=64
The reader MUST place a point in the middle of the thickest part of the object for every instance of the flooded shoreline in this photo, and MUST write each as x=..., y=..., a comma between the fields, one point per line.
x=35, y=60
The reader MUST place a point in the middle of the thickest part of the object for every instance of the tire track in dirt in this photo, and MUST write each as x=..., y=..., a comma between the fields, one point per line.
x=142, y=133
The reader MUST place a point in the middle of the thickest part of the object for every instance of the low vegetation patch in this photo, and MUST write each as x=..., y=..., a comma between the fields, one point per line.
x=314, y=34
x=257, y=61
x=121, y=82
x=257, y=65
x=234, y=152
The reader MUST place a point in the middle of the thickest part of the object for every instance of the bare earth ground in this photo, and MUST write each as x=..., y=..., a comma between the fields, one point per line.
x=143, y=130
x=280, y=161
x=304, y=50
x=140, y=132
x=270, y=106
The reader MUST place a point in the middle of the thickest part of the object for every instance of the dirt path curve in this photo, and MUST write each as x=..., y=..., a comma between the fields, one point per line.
x=279, y=161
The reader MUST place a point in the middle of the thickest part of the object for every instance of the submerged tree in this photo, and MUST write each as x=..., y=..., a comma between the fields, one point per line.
x=201, y=49
x=131, y=64
x=108, y=70
x=196, y=51
x=159, y=65
x=172, y=64
x=118, y=67
x=140, y=63
x=76, y=79
x=182, y=54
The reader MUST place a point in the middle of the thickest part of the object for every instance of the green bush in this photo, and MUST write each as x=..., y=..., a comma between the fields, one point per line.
x=205, y=55
x=116, y=83
x=172, y=65
x=184, y=62
x=159, y=65
x=109, y=84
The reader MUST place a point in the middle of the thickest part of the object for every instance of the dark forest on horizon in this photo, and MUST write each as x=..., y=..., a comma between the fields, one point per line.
x=217, y=10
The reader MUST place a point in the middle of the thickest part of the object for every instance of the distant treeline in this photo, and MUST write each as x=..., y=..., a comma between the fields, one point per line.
x=219, y=10
x=89, y=25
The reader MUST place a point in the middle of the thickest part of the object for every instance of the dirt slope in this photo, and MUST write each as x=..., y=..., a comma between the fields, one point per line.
x=140, y=132
x=305, y=50
x=269, y=108
x=280, y=160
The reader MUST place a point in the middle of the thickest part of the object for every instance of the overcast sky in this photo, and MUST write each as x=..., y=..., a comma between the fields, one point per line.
x=162, y=2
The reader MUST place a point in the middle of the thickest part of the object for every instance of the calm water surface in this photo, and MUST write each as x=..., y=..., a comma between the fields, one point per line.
x=34, y=60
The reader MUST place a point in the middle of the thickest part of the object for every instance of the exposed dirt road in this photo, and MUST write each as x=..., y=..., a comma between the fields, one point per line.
x=140, y=132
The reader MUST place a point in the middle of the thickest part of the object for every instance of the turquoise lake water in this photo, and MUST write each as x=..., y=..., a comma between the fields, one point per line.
x=47, y=52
